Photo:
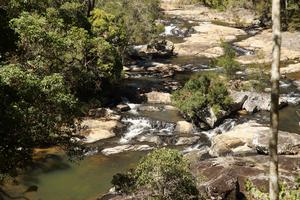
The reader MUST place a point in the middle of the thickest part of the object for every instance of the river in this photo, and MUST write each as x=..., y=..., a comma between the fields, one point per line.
x=58, y=178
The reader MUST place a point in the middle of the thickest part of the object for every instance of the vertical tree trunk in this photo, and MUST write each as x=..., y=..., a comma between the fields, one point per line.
x=275, y=76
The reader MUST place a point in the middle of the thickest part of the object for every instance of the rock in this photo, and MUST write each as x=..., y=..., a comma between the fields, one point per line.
x=102, y=113
x=184, y=127
x=187, y=140
x=254, y=101
x=199, y=12
x=149, y=108
x=123, y=107
x=158, y=97
x=169, y=107
x=262, y=45
x=124, y=148
x=198, y=154
x=225, y=177
x=225, y=186
x=223, y=144
x=250, y=136
x=149, y=138
x=288, y=143
x=210, y=118
x=206, y=42
x=98, y=129
x=239, y=99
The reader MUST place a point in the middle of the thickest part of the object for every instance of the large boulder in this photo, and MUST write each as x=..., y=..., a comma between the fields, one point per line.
x=184, y=127
x=99, y=129
x=207, y=118
x=252, y=137
x=254, y=101
x=288, y=143
x=158, y=97
x=156, y=49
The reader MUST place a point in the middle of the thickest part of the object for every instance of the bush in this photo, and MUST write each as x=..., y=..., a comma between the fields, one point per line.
x=200, y=92
x=227, y=61
x=163, y=172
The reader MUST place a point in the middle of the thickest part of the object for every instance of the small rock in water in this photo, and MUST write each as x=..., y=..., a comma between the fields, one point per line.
x=123, y=107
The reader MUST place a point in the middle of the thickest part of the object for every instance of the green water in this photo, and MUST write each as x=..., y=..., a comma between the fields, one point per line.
x=59, y=179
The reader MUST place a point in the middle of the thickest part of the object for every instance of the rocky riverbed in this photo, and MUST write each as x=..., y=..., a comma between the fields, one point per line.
x=233, y=150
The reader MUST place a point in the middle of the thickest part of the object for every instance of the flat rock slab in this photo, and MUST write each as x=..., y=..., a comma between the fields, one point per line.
x=262, y=45
x=206, y=42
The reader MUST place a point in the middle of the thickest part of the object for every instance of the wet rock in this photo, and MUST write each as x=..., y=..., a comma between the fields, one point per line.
x=175, y=31
x=99, y=129
x=123, y=107
x=124, y=148
x=187, y=140
x=158, y=97
x=169, y=107
x=184, y=127
x=149, y=138
x=149, y=108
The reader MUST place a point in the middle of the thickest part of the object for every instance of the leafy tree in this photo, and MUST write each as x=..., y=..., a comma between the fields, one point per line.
x=138, y=17
x=48, y=46
x=34, y=112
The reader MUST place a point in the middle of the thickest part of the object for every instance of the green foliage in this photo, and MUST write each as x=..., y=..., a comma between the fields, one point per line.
x=227, y=61
x=200, y=92
x=165, y=173
x=49, y=46
x=34, y=112
x=138, y=17
x=286, y=193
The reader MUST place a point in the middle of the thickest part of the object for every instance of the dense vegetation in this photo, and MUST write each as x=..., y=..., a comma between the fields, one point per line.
x=54, y=55
x=163, y=172
x=200, y=92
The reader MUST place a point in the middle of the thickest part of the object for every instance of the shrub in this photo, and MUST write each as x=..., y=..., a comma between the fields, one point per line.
x=164, y=172
x=200, y=92
x=227, y=61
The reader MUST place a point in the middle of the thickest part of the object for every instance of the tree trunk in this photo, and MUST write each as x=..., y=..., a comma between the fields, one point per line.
x=275, y=76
